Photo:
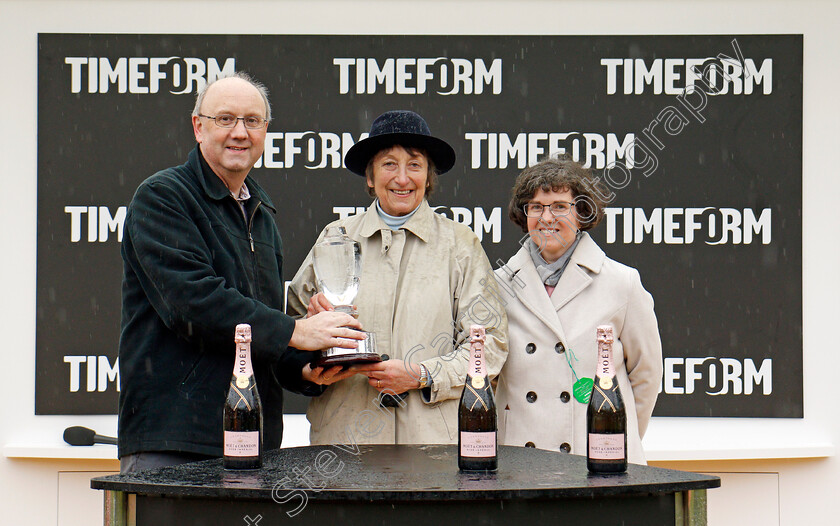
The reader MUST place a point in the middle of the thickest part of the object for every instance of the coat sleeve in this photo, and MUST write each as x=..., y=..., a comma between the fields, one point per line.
x=167, y=252
x=288, y=371
x=642, y=351
x=302, y=287
x=476, y=301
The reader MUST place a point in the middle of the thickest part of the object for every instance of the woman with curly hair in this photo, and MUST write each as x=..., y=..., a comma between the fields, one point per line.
x=562, y=286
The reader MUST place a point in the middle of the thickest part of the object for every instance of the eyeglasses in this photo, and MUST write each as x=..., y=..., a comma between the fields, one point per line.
x=558, y=209
x=229, y=121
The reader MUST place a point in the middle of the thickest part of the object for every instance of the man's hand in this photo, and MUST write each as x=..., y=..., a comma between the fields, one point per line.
x=322, y=376
x=326, y=329
x=391, y=375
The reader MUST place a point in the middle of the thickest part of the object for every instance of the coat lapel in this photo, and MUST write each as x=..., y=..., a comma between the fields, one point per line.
x=530, y=291
x=586, y=258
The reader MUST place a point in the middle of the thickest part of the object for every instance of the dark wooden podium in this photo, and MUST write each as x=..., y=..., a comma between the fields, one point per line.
x=405, y=485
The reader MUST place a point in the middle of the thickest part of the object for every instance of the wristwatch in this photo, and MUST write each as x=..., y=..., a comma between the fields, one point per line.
x=425, y=378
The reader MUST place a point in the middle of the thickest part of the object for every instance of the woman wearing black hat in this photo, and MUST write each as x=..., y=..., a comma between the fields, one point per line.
x=425, y=280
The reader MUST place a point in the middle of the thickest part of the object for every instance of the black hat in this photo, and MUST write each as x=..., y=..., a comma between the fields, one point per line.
x=405, y=128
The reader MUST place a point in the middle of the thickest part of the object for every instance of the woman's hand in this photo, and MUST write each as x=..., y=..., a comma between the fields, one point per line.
x=394, y=375
x=318, y=303
x=322, y=376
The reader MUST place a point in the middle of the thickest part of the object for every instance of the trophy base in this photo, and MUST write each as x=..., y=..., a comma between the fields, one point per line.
x=364, y=353
x=346, y=359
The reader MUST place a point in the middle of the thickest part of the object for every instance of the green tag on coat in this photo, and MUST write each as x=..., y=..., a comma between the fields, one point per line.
x=583, y=389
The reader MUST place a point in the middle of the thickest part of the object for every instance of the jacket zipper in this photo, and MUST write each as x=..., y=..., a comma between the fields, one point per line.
x=253, y=285
x=251, y=224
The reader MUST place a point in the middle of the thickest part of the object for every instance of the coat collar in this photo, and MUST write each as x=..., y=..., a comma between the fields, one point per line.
x=420, y=224
x=587, y=256
x=529, y=289
x=213, y=186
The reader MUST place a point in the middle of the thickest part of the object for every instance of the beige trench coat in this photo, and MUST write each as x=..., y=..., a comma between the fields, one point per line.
x=421, y=286
x=535, y=395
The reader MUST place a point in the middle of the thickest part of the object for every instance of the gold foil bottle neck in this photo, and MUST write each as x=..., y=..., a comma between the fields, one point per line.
x=477, y=334
x=605, y=334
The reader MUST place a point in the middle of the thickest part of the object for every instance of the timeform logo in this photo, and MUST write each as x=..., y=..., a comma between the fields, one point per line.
x=143, y=75
x=717, y=376
x=415, y=76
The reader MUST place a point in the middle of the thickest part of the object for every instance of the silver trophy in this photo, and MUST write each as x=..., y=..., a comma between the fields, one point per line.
x=337, y=261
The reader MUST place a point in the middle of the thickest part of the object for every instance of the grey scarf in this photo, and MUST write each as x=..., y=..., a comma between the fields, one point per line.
x=550, y=272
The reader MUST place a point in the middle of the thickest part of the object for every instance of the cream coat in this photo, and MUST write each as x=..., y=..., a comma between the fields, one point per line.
x=592, y=291
x=421, y=286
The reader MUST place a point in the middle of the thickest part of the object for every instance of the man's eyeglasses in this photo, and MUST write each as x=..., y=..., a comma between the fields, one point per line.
x=229, y=121
x=558, y=209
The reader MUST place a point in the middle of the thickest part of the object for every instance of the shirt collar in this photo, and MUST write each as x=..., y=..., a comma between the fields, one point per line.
x=393, y=222
x=244, y=194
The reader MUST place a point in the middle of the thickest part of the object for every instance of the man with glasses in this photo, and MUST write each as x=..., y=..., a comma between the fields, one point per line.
x=201, y=254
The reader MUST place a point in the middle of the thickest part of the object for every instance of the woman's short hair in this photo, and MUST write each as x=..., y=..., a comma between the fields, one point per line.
x=559, y=173
x=431, y=175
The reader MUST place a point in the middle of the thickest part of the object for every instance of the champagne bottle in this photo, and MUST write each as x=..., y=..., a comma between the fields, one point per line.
x=243, y=410
x=477, y=426
x=606, y=417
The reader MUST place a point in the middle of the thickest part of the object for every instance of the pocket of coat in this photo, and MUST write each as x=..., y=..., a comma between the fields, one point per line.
x=315, y=411
x=446, y=425
x=328, y=407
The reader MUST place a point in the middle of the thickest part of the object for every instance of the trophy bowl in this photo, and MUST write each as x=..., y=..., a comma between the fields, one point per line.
x=337, y=261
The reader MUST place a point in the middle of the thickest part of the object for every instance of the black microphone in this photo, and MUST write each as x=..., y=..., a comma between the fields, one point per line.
x=82, y=436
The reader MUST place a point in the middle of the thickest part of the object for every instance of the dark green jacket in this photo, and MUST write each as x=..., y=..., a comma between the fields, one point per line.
x=194, y=269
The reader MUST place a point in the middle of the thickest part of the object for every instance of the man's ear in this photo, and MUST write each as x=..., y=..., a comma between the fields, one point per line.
x=197, y=128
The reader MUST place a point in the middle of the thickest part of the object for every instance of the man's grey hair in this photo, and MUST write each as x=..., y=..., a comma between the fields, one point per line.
x=199, y=98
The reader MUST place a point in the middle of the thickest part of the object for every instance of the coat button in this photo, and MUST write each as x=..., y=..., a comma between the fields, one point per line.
x=529, y=444
x=531, y=397
x=560, y=348
x=530, y=348
x=564, y=396
x=565, y=447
